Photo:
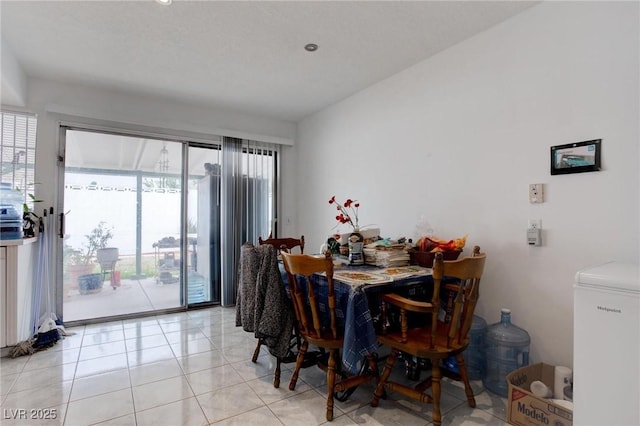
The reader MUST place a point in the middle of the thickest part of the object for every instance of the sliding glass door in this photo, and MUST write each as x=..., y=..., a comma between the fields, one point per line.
x=123, y=207
x=203, y=223
x=155, y=224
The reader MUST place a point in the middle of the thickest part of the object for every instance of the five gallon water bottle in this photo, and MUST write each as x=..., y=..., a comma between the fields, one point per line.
x=10, y=212
x=474, y=356
x=507, y=349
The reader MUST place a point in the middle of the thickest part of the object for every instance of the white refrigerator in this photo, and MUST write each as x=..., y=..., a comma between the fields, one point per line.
x=606, y=345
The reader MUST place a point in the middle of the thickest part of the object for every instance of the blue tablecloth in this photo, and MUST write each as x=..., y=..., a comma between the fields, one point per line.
x=354, y=313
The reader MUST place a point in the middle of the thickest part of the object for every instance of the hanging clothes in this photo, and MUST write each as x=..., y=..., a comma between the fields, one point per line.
x=262, y=304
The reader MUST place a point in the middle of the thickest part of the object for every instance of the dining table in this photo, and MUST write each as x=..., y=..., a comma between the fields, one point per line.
x=358, y=290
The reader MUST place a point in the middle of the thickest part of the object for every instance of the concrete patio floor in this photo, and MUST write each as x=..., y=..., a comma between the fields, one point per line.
x=132, y=296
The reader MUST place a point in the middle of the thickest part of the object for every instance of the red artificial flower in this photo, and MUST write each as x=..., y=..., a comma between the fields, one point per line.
x=344, y=216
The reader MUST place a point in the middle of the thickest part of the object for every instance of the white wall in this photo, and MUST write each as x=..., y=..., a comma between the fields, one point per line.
x=13, y=79
x=458, y=138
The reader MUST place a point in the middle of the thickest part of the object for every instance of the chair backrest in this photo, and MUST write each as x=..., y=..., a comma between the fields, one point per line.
x=468, y=272
x=313, y=324
x=288, y=243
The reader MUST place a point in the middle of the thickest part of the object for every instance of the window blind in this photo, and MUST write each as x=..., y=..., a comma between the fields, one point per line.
x=248, y=194
x=18, y=151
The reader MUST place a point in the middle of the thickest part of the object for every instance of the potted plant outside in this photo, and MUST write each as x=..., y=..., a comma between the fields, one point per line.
x=81, y=265
x=107, y=257
x=75, y=266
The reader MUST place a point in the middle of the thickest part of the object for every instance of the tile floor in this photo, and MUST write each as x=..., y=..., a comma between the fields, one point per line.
x=194, y=369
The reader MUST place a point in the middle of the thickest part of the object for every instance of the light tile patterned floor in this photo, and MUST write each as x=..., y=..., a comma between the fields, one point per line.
x=195, y=369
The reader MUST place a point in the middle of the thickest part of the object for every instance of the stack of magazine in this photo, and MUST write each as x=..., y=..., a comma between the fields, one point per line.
x=392, y=258
x=369, y=255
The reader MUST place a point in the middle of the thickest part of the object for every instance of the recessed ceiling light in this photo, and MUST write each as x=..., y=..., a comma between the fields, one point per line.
x=164, y=2
x=311, y=47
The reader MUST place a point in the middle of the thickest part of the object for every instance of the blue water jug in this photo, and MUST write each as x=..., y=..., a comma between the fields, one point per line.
x=474, y=356
x=506, y=349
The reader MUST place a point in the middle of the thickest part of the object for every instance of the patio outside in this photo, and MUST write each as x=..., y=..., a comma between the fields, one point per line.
x=130, y=295
x=129, y=284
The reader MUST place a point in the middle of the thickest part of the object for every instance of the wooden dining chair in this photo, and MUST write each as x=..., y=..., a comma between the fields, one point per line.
x=289, y=243
x=318, y=323
x=435, y=339
x=286, y=244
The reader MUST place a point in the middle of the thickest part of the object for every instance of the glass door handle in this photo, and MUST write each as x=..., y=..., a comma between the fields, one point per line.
x=61, y=227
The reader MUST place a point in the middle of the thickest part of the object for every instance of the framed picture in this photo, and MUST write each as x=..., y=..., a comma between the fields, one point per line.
x=576, y=157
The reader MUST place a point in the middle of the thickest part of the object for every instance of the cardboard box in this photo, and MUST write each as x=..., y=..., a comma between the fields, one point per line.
x=524, y=408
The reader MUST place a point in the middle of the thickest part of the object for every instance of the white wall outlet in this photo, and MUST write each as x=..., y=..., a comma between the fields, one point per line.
x=536, y=193
x=535, y=224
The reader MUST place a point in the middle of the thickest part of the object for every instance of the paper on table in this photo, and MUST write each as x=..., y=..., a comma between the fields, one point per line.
x=361, y=278
x=392, y=258
x=406, y=271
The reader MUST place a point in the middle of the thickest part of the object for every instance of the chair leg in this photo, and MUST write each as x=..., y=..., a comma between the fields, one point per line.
x=373, y=366
x=436, y=376
x=276, y=375
x=331, y=383
x=388, y=367
x=296, y=371
x=464, y=375
x=256, y=352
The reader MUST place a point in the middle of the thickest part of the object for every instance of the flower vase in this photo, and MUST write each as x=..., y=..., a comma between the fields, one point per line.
x=356, y=243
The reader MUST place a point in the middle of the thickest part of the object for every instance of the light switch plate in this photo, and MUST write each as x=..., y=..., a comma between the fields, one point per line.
x=536, y=193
